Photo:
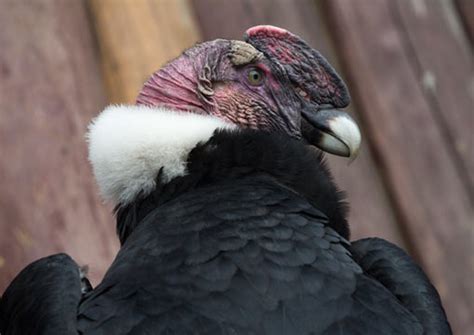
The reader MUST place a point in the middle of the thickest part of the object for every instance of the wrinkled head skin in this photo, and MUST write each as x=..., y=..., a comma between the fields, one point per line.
x=274, y=81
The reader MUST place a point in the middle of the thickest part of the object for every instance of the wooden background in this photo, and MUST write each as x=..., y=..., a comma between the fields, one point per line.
x=408, y=64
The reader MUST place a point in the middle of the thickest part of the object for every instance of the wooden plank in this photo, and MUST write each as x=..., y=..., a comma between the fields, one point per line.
x=50, y=90
x=466, y=11
x=136, y=37
x=371, y=213
x=418, y=168
x=434, y=34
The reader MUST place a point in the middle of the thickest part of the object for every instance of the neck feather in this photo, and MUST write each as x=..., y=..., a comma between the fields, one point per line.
x=130, y=145
x=228, y=158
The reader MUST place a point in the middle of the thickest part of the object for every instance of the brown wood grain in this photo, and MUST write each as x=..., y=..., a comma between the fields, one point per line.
x=444, y=64
x=371, y=213
x=49, y=90
x=426, y=186
x=466, y=11
x=136, y=37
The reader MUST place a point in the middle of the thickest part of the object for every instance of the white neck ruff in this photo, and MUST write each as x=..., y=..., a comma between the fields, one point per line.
x=128, y=145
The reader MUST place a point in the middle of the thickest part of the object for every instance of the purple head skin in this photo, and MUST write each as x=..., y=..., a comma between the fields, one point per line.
x=274, y=82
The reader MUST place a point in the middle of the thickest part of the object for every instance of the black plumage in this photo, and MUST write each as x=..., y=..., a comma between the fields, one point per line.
x=43, y=298
x=252, y=241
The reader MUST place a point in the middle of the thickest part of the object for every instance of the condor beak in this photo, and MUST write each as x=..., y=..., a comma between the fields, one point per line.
x=332, y=131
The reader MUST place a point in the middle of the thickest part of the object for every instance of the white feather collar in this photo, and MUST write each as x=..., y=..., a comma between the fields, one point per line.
x=128, y=145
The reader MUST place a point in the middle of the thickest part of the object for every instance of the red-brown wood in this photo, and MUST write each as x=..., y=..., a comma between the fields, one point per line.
x=426, y=186
x=49, y=91
x=466, y=12
x=442, y=59
x=371, y=213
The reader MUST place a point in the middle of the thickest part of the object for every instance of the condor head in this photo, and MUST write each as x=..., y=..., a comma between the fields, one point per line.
x=274, y=81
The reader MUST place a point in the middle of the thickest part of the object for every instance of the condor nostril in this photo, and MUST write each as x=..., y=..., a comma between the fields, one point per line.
x=324, y=106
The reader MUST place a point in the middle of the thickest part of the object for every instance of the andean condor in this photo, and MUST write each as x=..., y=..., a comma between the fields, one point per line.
x=228, y=217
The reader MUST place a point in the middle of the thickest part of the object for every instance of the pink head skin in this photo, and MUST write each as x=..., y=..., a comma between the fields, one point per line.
x=273, y=82
x=207, y=79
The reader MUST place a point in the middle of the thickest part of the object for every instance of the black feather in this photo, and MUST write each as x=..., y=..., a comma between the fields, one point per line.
x=253, y=240
x=43, y=299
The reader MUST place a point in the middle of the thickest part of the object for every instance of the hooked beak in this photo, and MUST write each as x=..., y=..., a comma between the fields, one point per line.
x=333, y=131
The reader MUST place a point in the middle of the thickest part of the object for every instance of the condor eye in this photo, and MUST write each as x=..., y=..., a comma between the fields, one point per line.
x=255, y=76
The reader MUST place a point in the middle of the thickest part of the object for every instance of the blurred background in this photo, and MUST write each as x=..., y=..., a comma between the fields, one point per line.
x=408, y=65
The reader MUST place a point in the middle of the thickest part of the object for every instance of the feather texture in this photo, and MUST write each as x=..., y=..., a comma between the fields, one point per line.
x=129, y=145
